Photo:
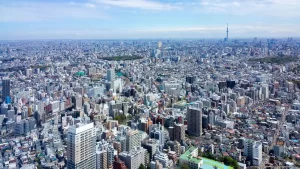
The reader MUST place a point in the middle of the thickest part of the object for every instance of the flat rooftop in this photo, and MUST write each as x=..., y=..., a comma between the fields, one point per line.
x=207, y=163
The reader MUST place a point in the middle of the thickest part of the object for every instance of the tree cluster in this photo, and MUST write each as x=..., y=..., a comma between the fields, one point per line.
x=120, y=118
x=227, y=160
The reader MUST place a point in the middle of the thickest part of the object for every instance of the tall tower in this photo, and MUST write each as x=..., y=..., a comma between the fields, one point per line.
x=110, y=75
x=5, y=88
x=227, y=33
x=81, y=146
x=194, y=119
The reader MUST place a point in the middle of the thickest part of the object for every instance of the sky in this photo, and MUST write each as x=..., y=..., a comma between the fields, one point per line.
x=140, y=19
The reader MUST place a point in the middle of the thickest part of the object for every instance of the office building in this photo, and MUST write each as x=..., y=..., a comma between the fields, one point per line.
x=257, y=153
x=101, y=159
x=194, y=120
x=133, y=158
x=81, y=141
x=248, y=148
x=132, y=140
x=5, y=88
x=157, y=132
x=151, y=146
x=177, y=132
x=19, y=128
x=110, y=75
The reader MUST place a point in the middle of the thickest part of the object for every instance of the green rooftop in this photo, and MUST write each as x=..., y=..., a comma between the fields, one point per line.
x=207, y=163
x=80, y=73
x=186, y=156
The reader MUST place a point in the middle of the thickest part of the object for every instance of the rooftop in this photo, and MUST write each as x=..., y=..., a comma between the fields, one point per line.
x=207, y=163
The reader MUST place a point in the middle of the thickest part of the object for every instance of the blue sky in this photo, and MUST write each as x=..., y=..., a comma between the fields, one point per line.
x=117, y=19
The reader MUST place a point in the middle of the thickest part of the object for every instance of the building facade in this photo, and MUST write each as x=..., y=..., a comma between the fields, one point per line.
x=81, y=141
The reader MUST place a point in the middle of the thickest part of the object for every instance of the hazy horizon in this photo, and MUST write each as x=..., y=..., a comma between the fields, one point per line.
x=147, y=19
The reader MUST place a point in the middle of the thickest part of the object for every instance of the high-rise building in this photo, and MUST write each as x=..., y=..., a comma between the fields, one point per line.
x=265, y=91
x=151, y=146
x=19, y=128
x=257, y=153
x=248, y=147
x=104, y=155
x=5, y=88
x=177, y=132
x=157, y=132
x=81, y=146
x=159, y=44
x=101, y=159
x=194, y=120
x=110, y=75
x=133, y=158
x=133, y=140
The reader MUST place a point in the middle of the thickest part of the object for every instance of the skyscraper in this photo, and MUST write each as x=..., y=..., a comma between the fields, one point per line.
x=194, y=120
x=81, y=143
x=110, y=75
x=5, y=88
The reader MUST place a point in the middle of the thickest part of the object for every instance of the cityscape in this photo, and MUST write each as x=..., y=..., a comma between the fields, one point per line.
x=217, y=99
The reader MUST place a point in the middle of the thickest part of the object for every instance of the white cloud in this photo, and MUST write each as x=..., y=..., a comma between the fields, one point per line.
x=18, y=11
x=258, y=29
x=182, y=29
x=89, y=5
x=278, y=8
x=141, y=4
x=235, y=31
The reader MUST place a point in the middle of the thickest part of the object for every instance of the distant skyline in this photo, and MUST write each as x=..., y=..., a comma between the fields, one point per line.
x=135, y=19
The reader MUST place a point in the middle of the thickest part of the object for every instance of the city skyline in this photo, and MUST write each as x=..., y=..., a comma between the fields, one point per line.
x=139, y=19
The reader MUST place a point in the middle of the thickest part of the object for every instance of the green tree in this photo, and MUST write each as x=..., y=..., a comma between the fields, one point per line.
x=142, y=166
x=227, y=160
x=185, y=166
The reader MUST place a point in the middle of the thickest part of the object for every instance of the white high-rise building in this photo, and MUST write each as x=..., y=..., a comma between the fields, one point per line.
x=81, y=143
x=133, y=140
x=110, y=75
x=265, y=91
x=257, y=153
x=159, y=44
